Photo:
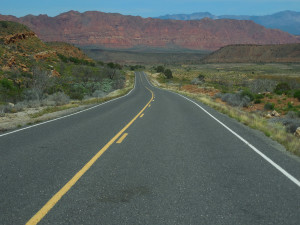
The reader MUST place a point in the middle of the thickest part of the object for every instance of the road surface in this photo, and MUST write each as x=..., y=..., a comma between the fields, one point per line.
x=150, y=157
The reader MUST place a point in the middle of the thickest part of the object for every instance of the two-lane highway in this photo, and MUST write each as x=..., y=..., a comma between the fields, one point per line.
x=151, y=157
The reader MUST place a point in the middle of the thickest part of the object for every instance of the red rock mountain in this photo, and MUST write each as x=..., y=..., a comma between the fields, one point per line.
x=119, y=31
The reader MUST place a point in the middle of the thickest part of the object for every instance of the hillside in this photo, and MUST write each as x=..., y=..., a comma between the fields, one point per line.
x=255, y=53
x=288, y=21
x=67, y=50
x=34, y=73
x=20, y=49
x=116, y=31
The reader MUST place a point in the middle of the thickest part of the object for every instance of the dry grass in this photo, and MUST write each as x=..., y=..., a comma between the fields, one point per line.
x=276, y=132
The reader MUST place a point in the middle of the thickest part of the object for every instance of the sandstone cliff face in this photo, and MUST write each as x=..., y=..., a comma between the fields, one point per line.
x=118, y=31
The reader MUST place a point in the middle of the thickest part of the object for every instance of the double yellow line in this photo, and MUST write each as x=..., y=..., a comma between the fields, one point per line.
x=52, y=202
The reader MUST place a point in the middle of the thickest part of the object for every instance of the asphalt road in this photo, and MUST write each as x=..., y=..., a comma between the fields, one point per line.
x=177, y=165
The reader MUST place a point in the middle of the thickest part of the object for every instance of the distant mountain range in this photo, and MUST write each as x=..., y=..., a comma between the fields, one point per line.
x=288, y=21
x=112, y=30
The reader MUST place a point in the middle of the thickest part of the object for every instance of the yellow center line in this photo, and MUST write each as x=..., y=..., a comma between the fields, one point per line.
x=142, y=115
x=122, y=138
x=52, y=202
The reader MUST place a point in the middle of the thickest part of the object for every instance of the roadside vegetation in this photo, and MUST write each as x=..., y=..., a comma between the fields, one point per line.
x=262, y=96
x=52, y=77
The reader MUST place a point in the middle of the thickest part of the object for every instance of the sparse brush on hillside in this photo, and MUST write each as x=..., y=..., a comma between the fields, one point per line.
x=10, y=28
x=34, y=74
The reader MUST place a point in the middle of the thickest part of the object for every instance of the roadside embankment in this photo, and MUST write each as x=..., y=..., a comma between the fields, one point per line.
x=33, y=115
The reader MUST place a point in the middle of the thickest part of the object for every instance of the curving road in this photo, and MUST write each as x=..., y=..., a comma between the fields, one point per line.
x=150, y=157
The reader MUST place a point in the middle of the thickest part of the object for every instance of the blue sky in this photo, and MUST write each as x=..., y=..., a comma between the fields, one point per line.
x=149, y=8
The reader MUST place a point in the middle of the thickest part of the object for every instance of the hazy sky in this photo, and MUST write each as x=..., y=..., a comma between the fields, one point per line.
x=149, y=8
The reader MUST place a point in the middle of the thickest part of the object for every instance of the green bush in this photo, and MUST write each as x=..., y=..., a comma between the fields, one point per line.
x=258, y=96
x=75, y=60
x=290, y=105
x=297, y=94
x=269, y=106
x=247, y=93
x=8, y=91
x=160, y=69
x=168, y=73
x=201, y=77
x=282, y=88
x=257, y=101
x=100, y=63
x=106, y=85
x=114, y=65
x=77, y=91
x=63, y=58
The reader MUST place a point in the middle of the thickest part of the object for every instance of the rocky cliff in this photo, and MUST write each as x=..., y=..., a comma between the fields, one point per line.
x=117, y=31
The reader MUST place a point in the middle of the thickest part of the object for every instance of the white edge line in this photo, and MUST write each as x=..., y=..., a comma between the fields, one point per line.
x=284, y=172
x=62, y=117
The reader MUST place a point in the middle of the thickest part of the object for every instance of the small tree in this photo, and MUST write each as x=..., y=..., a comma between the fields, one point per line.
x=168, y=73
x=297, y=94
x=41, y=81
x=160, y=69
x=282, y=88
x=201, y=77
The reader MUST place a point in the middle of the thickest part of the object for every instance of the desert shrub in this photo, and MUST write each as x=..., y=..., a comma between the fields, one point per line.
x=30, y=94
x=77, y=91
x=99, y=94
x=290, y=124
x=114, y=65
x=218, y=95
x=258, y=96
x=269, y=106
x=47, y=102
x=2, y=113
x=75, y=60
x=257, y=101
x=59, y=98
x=168, y=73
x=20, y=106
x=262, y=85
x=92, y=86
x=236, y=99
x=297, y=94
x=106, y=85
x=292, y=115
x=290, y=105
x=282, y=88
x=33, y=103
x=136, y=67
x=5, y=109
x=201, y=77
x=247, y=93
x=8, y=91
x=196, y=81
x=160, y=69
x=41, y=81
x=62, y=57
